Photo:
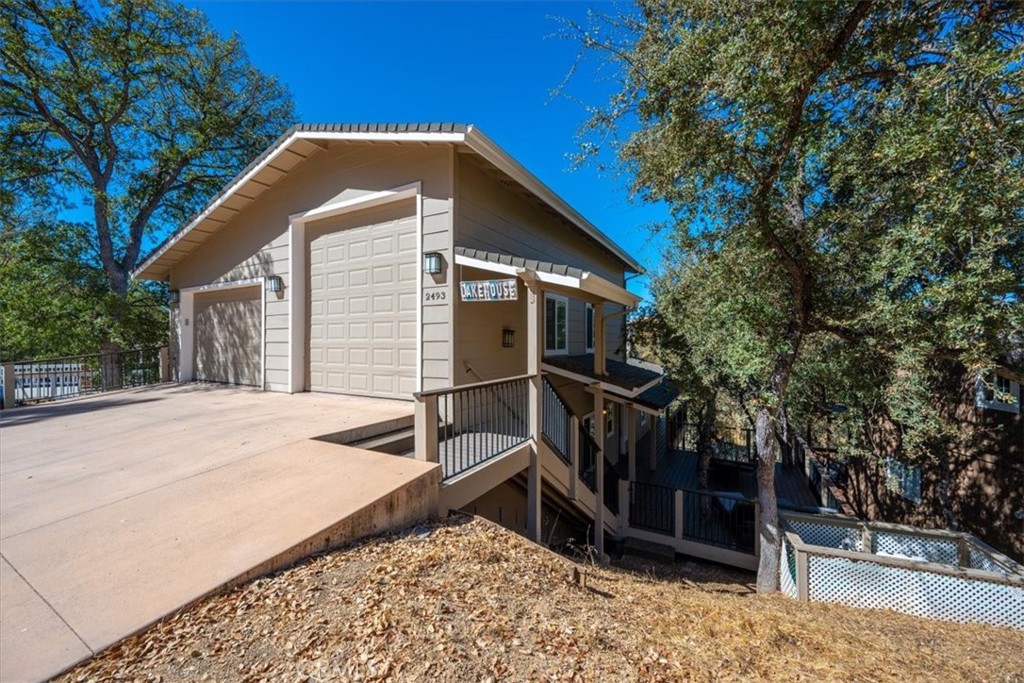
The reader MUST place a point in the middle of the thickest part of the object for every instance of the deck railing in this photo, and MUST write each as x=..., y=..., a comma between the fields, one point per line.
x=589, y=452
x=721, y=519
x=73, y=376
x=556, y=422
x=652, y=507
x=476, y=421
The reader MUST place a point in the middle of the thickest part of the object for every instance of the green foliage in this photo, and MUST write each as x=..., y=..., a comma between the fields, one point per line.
x=134, y=109
x=848, y=190
x=53, y=302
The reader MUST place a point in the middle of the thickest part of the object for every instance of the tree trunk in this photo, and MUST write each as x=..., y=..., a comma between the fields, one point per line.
x=768, y=530
x=705, y=442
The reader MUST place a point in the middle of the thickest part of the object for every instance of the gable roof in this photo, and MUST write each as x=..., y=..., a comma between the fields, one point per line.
x=303, y=140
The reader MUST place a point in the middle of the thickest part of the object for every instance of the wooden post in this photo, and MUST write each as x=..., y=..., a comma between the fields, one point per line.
x=425, y=428
x=802, y=592
x=535, y=345
x=600, y=351
x=963, y=552
x=9, y=386
x=757, y=529
x=865, y=539
x=623, y=505
x=631, y=437
x=599, y=473
x=677, y=511
x=574, y=455
x=165, y=364
x=652, y=444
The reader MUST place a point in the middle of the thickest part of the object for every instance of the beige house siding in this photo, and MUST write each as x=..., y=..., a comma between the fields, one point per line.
x=255, y=241
x=491, y=217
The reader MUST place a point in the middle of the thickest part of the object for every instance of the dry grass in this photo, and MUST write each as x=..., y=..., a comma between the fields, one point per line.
x=466, y=601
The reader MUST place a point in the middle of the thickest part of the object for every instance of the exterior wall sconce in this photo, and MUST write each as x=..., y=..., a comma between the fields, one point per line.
x=174, y=297
x=508, y=338
x=432, y=263
x=274, y=283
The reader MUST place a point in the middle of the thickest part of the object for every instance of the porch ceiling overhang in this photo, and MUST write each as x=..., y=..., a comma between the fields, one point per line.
x=621, y=379
x=304, y=140
x=557, y=277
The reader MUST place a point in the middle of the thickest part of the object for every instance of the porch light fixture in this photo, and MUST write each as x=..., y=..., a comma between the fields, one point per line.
x=274, y=283
x=508, y=338
x=432, y=263
x=174, y=296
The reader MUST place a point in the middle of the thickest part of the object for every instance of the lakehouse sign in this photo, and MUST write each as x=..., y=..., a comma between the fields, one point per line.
x=489, y=290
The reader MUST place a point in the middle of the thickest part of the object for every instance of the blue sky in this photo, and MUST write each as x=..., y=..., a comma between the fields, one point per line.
x=493, y=64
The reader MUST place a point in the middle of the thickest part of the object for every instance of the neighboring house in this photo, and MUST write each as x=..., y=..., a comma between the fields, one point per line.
x=976, y=481
x=421, y=262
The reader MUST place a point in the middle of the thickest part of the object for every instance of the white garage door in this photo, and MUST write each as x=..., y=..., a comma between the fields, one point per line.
x=362, y=303
x=227, y=336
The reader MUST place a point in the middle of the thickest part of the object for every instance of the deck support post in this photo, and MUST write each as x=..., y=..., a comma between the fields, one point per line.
x=574, y=455
x=600, y=350
x=425, y=427
x=599, y=472
x=802, y=592
x=623, y=505
x=165, y=364
x=534, y=335
x=9, y=386
x=632, y=436
x=677, y=509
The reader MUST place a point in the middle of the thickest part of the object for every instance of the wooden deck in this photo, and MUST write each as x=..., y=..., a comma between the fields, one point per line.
x=678, y=469
x=464, y=451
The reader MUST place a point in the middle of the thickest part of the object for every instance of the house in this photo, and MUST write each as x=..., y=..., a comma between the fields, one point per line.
x=422, y=263
x=974, y=483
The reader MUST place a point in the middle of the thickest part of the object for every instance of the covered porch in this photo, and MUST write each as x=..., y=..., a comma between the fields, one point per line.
x=560, y=405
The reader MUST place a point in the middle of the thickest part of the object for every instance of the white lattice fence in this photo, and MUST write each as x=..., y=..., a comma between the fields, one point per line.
x=919, y=592
x=927, y=548
x=935, y=574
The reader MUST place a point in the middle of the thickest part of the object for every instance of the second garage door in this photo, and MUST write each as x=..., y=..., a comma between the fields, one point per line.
x=227, y=336
x=362, y=303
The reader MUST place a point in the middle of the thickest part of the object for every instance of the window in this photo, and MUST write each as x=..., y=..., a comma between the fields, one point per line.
x=609, y=421
x=997, y=392
x=643, y=419
x=590, y=328
x=556, y=324
x=904, y=479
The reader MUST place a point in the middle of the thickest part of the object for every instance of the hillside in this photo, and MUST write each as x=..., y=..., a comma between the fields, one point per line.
x=464, y=600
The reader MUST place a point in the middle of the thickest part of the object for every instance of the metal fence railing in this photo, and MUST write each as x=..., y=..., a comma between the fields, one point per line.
x=480, y=421
x=589, y=452
x=556, y=421
x=652, y=507
x=725, y=520
x=74, y=376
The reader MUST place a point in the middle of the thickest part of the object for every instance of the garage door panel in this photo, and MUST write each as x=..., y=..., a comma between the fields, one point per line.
x=228, y=329
x=369, y=303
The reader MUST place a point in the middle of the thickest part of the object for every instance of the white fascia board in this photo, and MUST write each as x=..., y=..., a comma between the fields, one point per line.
x=486, y=148
x=608, y=290
x=393, y=136
x=215, y=205
x=298, y=135
x=480, y=264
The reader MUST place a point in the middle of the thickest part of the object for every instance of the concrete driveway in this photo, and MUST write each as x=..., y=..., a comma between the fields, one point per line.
x=120, y=509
